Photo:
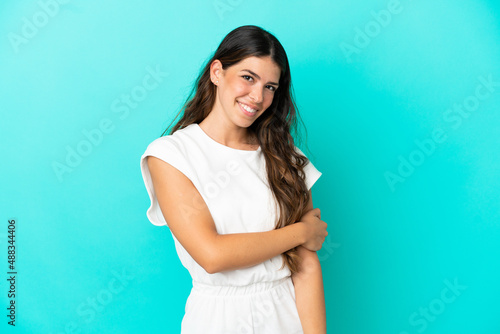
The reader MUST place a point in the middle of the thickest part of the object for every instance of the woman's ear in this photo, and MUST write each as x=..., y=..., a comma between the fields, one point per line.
x=215, y=70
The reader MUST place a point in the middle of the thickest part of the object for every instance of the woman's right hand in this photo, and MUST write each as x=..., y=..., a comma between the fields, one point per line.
x=315, y=229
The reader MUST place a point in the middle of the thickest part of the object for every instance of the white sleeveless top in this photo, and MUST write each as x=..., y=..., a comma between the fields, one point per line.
x=233, y=183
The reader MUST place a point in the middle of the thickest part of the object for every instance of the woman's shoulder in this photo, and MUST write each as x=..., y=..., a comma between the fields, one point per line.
x=174, y=149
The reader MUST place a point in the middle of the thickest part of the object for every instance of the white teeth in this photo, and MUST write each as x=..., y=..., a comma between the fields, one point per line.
x=247, y=108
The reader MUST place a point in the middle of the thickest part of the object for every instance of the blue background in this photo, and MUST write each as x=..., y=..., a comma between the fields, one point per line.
x=410, y=213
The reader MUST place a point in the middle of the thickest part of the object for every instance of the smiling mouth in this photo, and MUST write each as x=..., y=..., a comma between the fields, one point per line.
x=247, y=110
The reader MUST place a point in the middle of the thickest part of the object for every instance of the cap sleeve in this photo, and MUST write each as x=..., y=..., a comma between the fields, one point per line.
x=312, y=173
x=167, y=150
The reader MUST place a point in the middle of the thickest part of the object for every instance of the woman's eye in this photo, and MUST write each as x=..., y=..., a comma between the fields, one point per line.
x=271, y=88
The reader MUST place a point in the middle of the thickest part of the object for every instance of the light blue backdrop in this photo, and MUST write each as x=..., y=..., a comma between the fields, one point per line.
x=401, y=101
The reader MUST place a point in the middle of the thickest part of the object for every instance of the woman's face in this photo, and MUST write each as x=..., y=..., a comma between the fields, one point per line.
x=246, y=89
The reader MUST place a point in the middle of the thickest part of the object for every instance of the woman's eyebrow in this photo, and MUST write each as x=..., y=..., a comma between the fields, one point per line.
x=255, y=75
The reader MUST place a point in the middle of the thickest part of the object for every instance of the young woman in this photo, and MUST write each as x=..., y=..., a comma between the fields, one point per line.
x=234, y=190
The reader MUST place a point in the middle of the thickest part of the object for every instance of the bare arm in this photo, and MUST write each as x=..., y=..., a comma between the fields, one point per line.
x=309, y=291
x=192, y=224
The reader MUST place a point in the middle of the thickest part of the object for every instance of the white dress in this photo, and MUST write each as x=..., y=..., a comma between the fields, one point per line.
x=233, y=183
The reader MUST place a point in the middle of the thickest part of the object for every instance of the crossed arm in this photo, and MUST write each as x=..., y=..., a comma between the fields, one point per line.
x=309, y=291
x=190, y=221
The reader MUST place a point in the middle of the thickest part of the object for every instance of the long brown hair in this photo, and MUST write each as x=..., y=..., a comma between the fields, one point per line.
x=274, y=129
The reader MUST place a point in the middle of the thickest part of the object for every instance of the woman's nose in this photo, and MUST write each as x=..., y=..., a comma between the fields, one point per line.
x=256, y=94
